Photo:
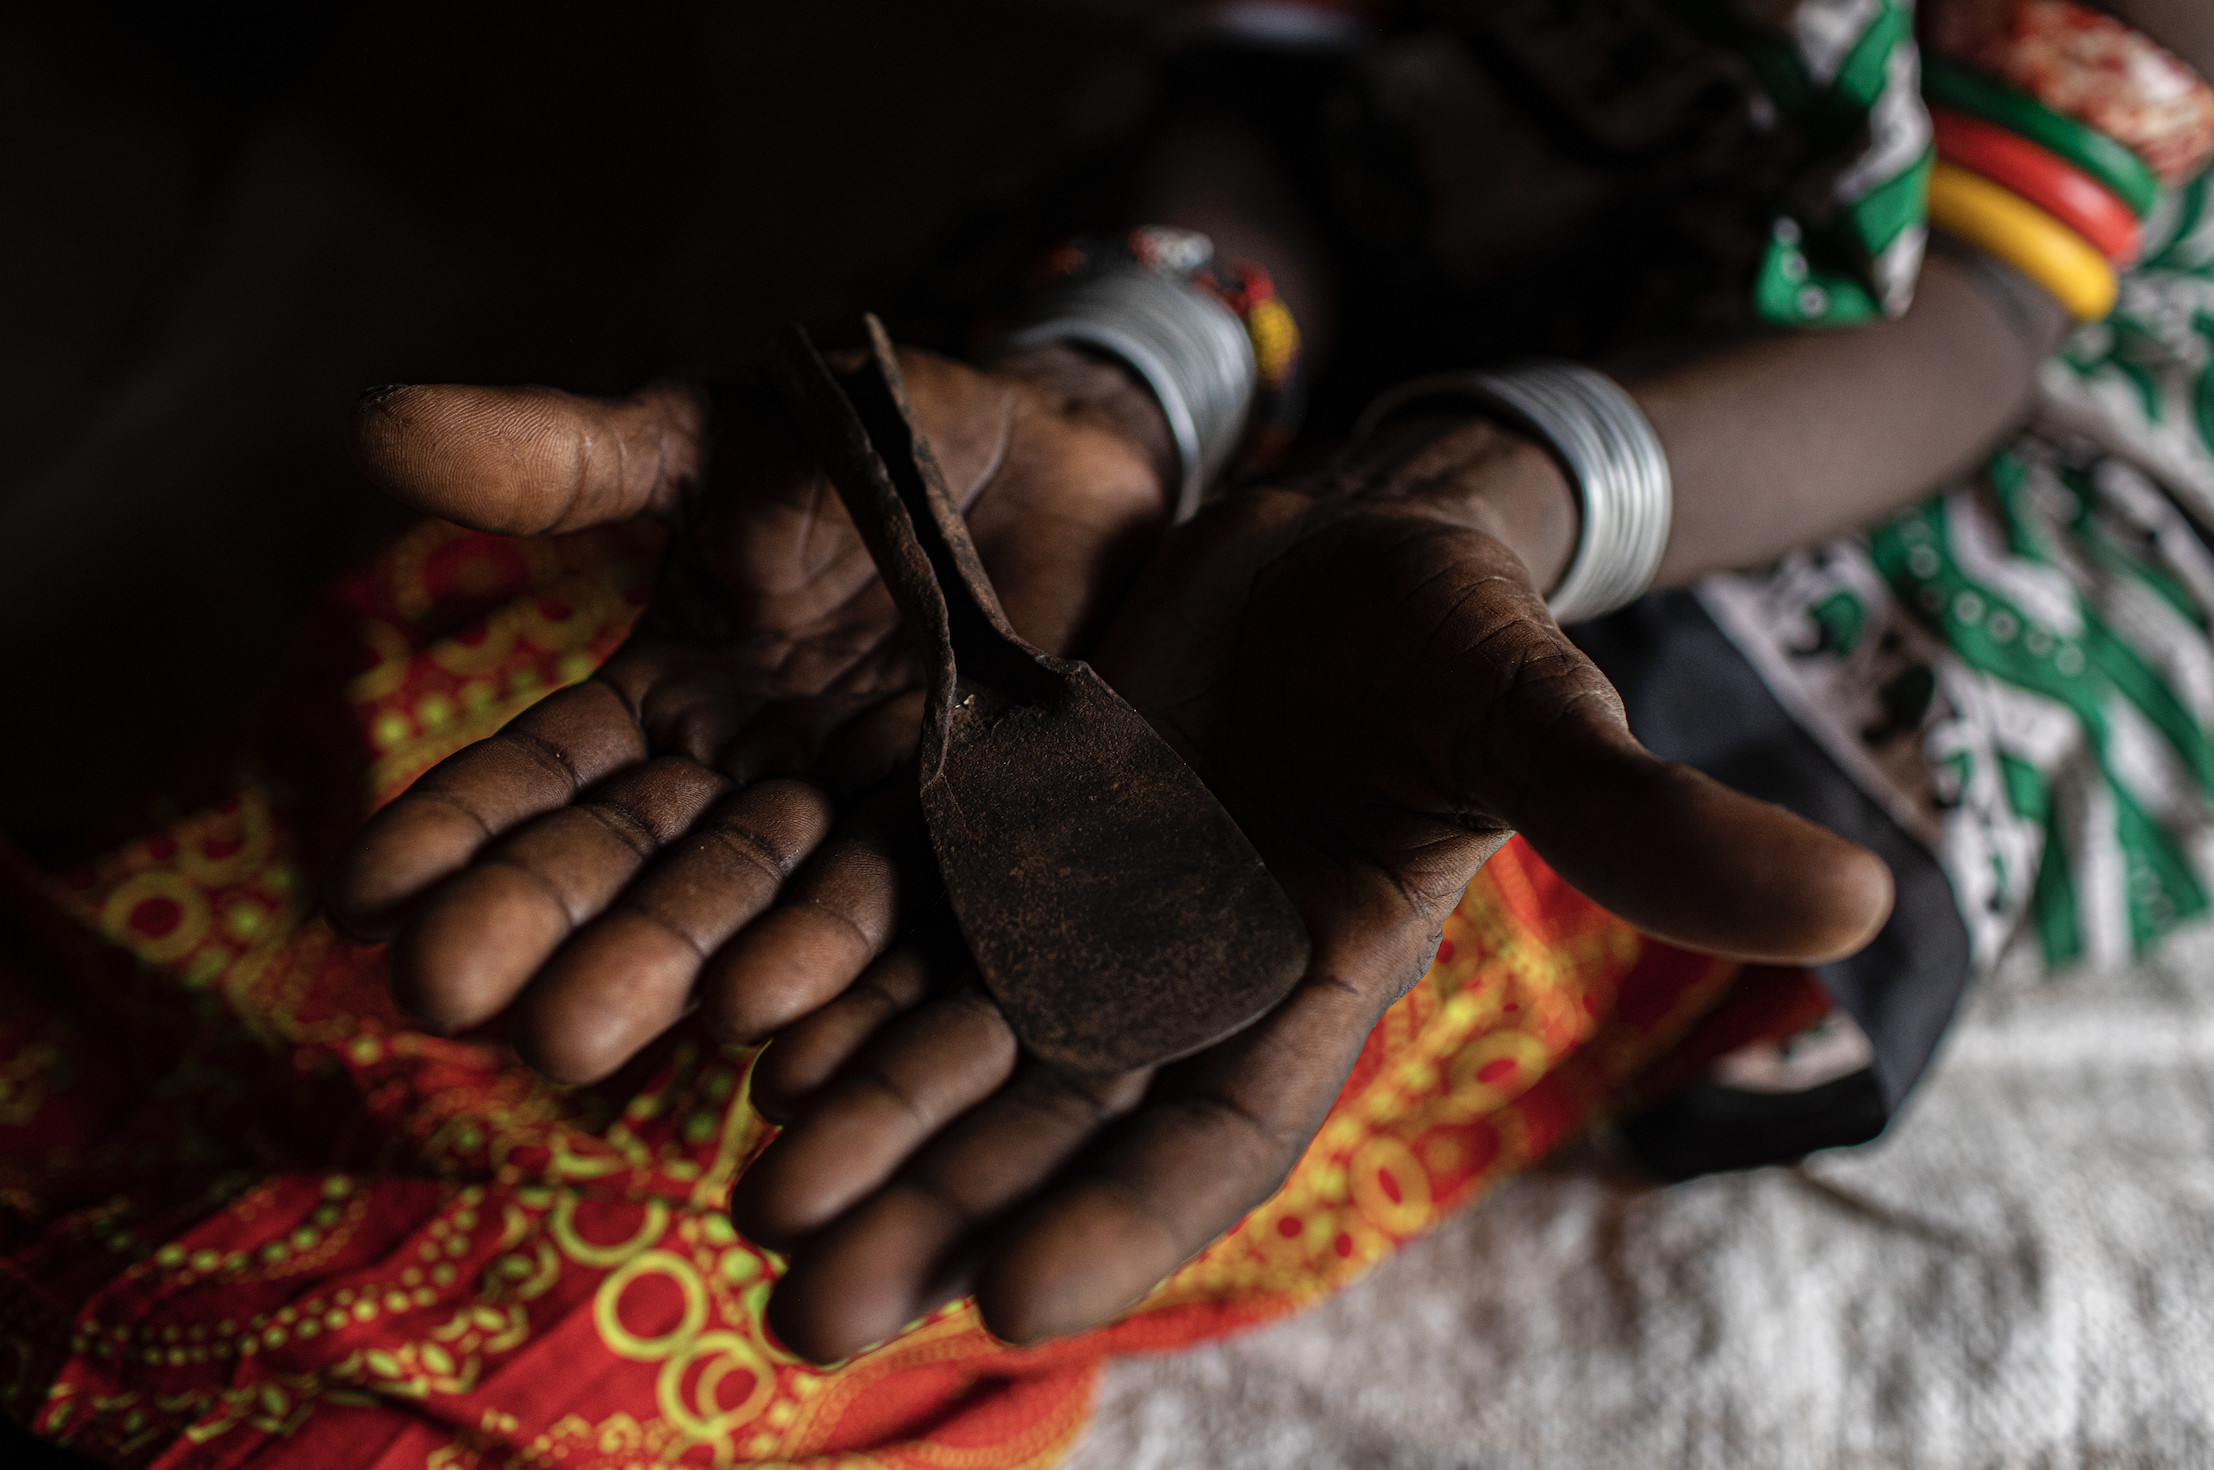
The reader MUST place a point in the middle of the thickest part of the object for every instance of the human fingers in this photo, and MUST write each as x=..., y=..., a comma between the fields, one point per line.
x=866, y=752
x=926, y=1234
x=753, y=723
x=912, y=1246
x=470, y=946
x=809, y=1052
x=538, y=762
x=838, y=914
x=787, y=737
x=631, y=973
x=1691, y=861
x=1534, y=738
x=690, y=699
x=521, y=461
x=1215, y=1138
x=927, y=1068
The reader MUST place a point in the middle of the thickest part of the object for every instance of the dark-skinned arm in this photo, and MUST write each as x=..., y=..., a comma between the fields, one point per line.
x=1359, y=661
x=1785, y=441
x=1775, y=442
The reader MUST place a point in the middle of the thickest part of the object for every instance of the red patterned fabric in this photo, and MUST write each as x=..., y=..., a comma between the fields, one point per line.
x=249, y=1217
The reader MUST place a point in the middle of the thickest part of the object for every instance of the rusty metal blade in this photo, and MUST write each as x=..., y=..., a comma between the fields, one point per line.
x=1116, y=911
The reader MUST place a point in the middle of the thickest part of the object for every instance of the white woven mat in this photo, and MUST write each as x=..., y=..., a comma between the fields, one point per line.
x=2021, y=1274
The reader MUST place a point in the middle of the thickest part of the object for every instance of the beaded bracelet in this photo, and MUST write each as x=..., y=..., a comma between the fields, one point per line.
x=2109, y=164
x=1978, y=212
x=2062, y=191
x=1268, y=415
x=2091, y=67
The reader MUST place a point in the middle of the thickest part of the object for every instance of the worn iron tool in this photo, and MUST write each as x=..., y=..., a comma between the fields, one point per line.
x=1118, y=915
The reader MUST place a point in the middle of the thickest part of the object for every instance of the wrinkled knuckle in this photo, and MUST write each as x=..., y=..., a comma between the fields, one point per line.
x=534, y=881
x=832, y=918
x=549, y=757
x=646, y=913
x=884, y=1083
x=627, y=823
x=1331, y=983
x=442, y=797
x=751, y=850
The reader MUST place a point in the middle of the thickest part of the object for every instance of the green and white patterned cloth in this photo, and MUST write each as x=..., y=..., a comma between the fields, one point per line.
x=2019, y=668
x=1847, y=75
x=1829, y=145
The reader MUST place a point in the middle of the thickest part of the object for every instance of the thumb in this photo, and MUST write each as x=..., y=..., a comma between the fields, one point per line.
x=525, y=460
x=1690, y=861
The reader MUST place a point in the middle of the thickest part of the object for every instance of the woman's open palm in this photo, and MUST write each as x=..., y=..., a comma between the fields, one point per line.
x=668, y=833
x=1376, y=692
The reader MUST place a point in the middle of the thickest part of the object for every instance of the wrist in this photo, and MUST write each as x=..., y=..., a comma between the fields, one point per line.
x=1607, y=454
x=1093, y=388
x=1483, y=476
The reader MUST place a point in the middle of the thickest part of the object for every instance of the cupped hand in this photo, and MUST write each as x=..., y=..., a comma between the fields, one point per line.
x=683, y=828
x=1363, y=671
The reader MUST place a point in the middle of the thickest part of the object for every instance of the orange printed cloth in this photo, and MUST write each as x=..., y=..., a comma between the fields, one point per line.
x=249, y=1217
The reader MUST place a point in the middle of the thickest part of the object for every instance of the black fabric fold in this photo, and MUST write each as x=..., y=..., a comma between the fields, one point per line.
x=1693, y=698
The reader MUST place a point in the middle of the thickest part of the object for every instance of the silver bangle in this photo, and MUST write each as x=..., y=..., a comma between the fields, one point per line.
x=1613, y=458
x=1190, y=349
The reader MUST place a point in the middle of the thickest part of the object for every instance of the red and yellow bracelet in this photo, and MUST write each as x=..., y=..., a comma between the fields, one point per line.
x=2064, y=192
x=2002, y=224
x=2089, y=66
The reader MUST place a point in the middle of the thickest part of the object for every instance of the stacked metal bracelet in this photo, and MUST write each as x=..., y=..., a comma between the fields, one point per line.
x=1612, y=456
x=1190, y=349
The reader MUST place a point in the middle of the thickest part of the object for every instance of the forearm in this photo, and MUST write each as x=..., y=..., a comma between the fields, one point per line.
x=1772, y=444
x=1219, y=176
x=1785, y=441
x=1104, y=358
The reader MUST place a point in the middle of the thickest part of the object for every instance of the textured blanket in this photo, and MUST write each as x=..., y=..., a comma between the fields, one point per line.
x=2021, y=1274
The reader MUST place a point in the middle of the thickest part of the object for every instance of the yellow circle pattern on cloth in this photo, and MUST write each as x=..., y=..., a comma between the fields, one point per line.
x=259, y=1220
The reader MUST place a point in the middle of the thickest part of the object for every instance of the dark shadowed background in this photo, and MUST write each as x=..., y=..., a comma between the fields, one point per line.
x=218, y=231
